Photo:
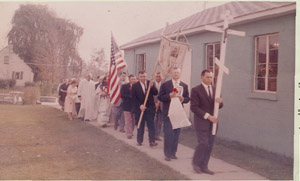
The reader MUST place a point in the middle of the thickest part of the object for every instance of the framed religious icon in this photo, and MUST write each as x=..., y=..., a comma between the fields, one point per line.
x=178, y=90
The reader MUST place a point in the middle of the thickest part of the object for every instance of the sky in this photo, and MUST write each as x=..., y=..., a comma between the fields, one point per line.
x=126, y=20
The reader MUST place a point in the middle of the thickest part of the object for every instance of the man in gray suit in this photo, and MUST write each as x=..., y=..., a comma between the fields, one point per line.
x=158, y=108
x=202, y=105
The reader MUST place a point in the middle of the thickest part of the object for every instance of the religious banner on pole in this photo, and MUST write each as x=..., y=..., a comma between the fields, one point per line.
x=171, y=54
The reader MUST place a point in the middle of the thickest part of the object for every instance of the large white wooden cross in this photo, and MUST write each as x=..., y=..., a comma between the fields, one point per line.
x=221, y=62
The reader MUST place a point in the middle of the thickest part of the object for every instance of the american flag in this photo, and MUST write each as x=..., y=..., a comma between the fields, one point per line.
x=113, y=87
x=120, y=61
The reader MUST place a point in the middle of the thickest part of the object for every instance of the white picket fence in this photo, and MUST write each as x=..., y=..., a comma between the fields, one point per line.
x=13, y=97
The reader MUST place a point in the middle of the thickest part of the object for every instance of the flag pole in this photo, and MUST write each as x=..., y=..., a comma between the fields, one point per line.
x=153, y=73
x=109, y=74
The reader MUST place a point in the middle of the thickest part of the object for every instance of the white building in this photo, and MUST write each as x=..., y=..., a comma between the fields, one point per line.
x=13, y=67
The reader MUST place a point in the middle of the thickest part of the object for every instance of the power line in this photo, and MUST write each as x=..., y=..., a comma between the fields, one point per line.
x=52, y=65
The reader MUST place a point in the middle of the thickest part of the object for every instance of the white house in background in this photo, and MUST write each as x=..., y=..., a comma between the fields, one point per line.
x=13, y=67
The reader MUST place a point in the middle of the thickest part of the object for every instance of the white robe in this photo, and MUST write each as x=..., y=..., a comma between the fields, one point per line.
x=88, y=104
x=103, y=107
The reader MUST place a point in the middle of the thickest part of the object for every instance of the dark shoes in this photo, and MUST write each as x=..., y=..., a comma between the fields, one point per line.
x=197, y=169
x=206, y=170
x=139, y=144
x=87, y=120
x=122, y=131
x=158, y=139
x=104, y=125
x=153, y=144
x=129, y=137
x=167, y=158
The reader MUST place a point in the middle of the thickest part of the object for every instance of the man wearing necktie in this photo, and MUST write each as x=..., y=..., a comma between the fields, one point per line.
x=202, y=105
x=166, y=93
x=127, y=106
x=139, y=91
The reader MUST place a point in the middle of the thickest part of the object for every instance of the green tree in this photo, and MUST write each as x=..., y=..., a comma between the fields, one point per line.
x=46, y=42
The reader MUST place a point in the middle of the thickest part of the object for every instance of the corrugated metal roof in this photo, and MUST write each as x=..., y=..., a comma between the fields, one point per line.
x=212, y=15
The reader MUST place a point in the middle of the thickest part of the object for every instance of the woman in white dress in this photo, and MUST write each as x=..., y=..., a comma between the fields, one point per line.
x=104, y=105
x=70, y=100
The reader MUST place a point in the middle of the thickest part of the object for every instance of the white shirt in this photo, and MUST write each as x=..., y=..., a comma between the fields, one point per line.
x=158, y=84
x=174, y=82
x=143, y=86
x=206, y=89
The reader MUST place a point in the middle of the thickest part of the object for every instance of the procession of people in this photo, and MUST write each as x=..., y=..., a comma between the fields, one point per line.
x=146, y=102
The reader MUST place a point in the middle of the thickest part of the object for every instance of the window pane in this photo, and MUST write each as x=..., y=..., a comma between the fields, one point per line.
x=210, y=61
x=272, y=82
x=273, y=42
x=210, y=49
x=217, y=49
x=143, y=62
x=273, y=56
x=209, y=55
x=273, y=70
x=261, y=70
x=260, y=84
x=261, y=49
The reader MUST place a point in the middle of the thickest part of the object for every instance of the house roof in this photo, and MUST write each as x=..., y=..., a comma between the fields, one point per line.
x=242, y=12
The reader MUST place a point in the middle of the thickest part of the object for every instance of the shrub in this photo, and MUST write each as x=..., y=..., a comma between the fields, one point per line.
x=45, y=87
x=12, y=83
x=31, y=95
x=29, y=84
x=4, y=83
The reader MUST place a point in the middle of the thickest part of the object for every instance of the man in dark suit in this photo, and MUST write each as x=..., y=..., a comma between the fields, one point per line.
x=166, y=93
x=139, y=91
x=63, y=93
x=127, y=106
x=202, y=105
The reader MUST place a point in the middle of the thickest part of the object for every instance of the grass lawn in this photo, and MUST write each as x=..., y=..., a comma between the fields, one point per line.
x=39, y=142
x=267, y=164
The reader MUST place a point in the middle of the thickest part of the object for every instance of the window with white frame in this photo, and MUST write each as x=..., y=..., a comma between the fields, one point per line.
x=212, y=51
x=6, y=59
x=266, y=63
x=17, y=75
x=140, y=62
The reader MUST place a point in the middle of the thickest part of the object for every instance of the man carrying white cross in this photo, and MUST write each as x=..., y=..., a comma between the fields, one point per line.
x=206, y=102
x=202, y=105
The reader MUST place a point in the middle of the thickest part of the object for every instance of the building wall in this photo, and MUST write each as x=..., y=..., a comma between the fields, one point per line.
x=151, y=52
x=15, y=65
x=262, y=120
